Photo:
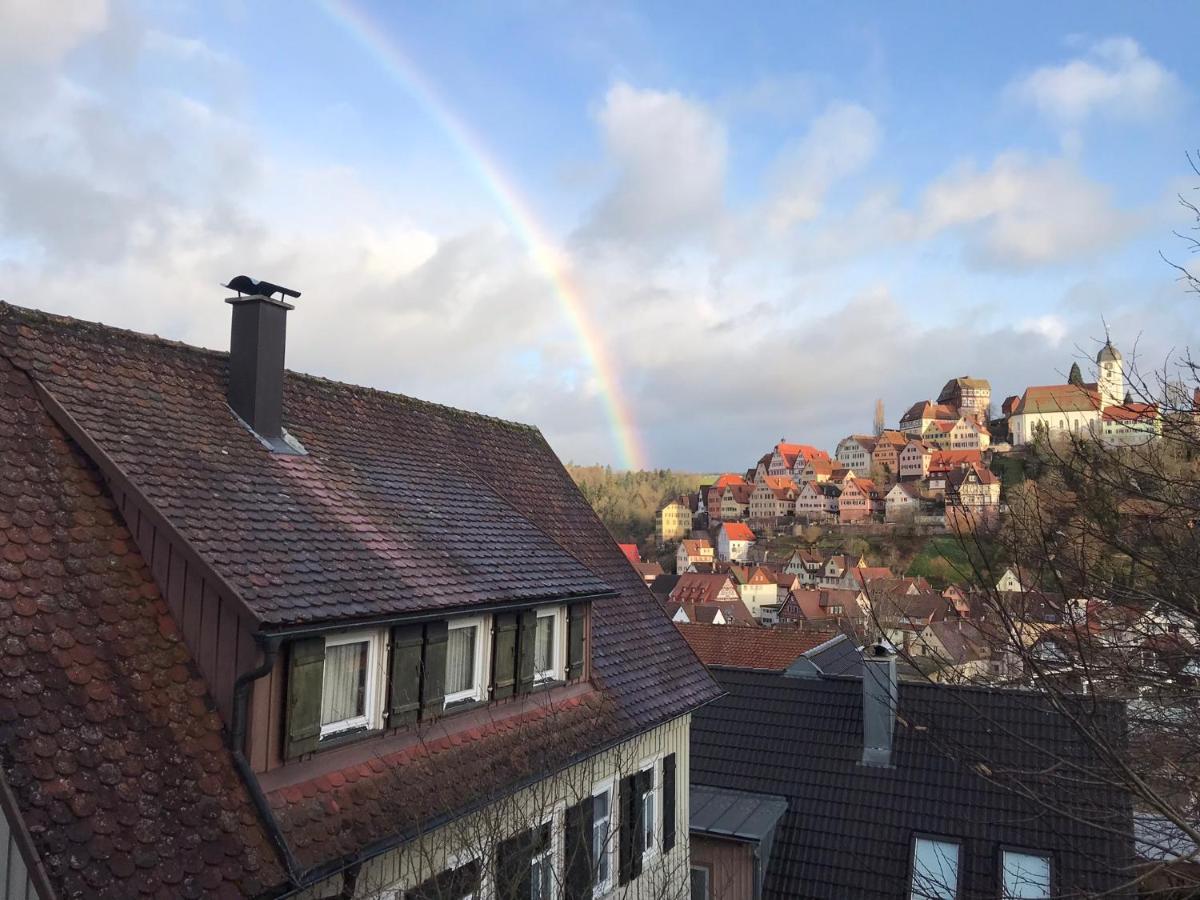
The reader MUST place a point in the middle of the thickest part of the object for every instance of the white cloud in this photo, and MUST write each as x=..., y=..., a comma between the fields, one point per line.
x=1051, y=327
x=1025, y=213
x=670, y=155
x=1112, y=78
x=42, y=31
x=839, y=142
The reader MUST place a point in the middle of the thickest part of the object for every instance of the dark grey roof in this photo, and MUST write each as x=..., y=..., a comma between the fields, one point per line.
x=964, y=767
x=738, y=815
x=837, y=656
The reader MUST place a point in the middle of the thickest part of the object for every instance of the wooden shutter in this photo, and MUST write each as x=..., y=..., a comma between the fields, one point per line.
x=433, y=670
x=628, y=844
x=576, y=620
x=452, y=884
x=513, y=858
x=504, y=656
x=306, y=670
x=526, y=635
x=405, y=695
x=580, y=867
x=668, y=802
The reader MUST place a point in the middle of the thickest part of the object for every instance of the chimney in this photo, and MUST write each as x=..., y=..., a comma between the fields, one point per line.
x=256, y=348
x=879, y=705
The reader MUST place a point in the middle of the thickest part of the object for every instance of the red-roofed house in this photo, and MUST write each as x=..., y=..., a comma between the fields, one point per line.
x=817, y=501
x=716, y=492
x=773, y=499
x=764, y=649
x=734, y=540
x=860, y=500
x=692, y=551
x=914, y=459
x=631, y=552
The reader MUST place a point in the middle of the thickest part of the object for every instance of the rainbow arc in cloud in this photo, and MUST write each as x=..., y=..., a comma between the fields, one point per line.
x=387, y=52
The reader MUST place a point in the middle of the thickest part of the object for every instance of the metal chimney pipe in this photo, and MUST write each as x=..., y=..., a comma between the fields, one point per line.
x=880, y=694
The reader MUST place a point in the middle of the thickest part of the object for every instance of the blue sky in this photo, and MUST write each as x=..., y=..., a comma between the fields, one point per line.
x=775, y=213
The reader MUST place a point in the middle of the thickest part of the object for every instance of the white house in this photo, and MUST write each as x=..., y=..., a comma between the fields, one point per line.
x=854, y=452
x=902, y=502
x=734, y=541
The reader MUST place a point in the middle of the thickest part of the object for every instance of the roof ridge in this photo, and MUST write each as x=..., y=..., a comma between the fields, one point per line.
x=28, y=313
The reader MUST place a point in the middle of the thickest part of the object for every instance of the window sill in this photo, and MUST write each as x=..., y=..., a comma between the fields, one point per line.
x=458, y=706
x=349, y=736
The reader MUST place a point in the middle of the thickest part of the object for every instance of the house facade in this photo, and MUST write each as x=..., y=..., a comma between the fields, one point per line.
x=854, y=452
x=692, y=551
x=970, y=397
x=773, y=499
x=759, y=589
x=902, y=502
x=914, y=458
x=885, y=458
x=716, y=494
x=735, y=501
x=267, y=680
x=673, y=521
x=817, y=501
x=734, y=540
x=859, y=501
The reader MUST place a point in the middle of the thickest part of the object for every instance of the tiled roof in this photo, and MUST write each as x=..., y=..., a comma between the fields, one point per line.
x=374, y=518
x=947, y=459
x=769, y=649
x=738, y=531
x=779, y=482
x=1131, y=412
x=695, y=547
x=381, y=516
x=111, y=742
x=631, y=552
x=961, y=760
x=400, y=792
x=734, y=612
x=694, y=587
x=740, y=492
x=728, y=479
x=1056, y=398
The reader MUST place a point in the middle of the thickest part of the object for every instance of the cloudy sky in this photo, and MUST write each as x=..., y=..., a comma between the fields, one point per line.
x=666, y=234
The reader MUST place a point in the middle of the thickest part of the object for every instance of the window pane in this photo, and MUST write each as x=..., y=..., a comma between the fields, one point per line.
x=600, y=825
x=935, y=870
x=1026, y=876
x=460, y=659
x=344, y=686
x=699, y=883
x=540, y=877
x=543, y=644
x=648, y=819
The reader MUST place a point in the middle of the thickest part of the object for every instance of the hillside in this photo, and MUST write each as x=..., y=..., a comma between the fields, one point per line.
x=626, y=501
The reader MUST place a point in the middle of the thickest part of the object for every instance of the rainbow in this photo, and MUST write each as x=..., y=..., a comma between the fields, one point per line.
x=371, y=36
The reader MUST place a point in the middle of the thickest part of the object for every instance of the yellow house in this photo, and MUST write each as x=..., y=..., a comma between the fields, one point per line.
x=673, y=521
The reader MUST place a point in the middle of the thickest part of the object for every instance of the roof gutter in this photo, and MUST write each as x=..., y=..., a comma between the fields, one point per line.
x=298, y=631
x=237, y=741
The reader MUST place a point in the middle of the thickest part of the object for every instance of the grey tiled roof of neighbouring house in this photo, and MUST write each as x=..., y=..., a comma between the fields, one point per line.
x=837, y=656
x=983, y=767
x=738, y=815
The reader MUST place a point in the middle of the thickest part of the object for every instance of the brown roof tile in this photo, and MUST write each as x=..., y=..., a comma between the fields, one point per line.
x=112, y=746
x=769, y=649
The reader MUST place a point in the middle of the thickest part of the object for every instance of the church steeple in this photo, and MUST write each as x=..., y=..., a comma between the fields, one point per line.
x=1110, y=382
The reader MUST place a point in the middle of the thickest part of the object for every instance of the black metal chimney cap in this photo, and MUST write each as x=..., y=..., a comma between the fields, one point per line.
x=244, y=284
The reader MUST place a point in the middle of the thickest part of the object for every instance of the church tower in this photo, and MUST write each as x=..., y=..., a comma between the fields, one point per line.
x=1110, y=383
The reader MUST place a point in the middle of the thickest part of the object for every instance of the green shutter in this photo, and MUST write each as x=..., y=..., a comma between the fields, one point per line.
x=579, y=865
x=433, y=670
x=504, y=656
x=513, y=859
x=306, y=668
x=576, y=620
x=405, y=695
x=668, y=817
x=526, y=634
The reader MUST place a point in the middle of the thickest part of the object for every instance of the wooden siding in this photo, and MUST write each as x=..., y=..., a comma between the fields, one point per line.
x=664, y=876
x=20, y=870
x=730, y=867
x=213, y=626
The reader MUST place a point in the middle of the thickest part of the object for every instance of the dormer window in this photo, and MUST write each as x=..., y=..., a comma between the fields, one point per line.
x=350, y=683
x=384, y=679
x=464, y=661
x=547, y=646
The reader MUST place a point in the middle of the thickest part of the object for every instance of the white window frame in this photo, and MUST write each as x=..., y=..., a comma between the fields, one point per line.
x=551, y=853
x=607, y=786
x=475, y=692
x=372, y=700
x=555, y=672
x=650, y=849
x=707, y=880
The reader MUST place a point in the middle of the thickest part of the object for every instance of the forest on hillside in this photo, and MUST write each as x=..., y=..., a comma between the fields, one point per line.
x=626, y=501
